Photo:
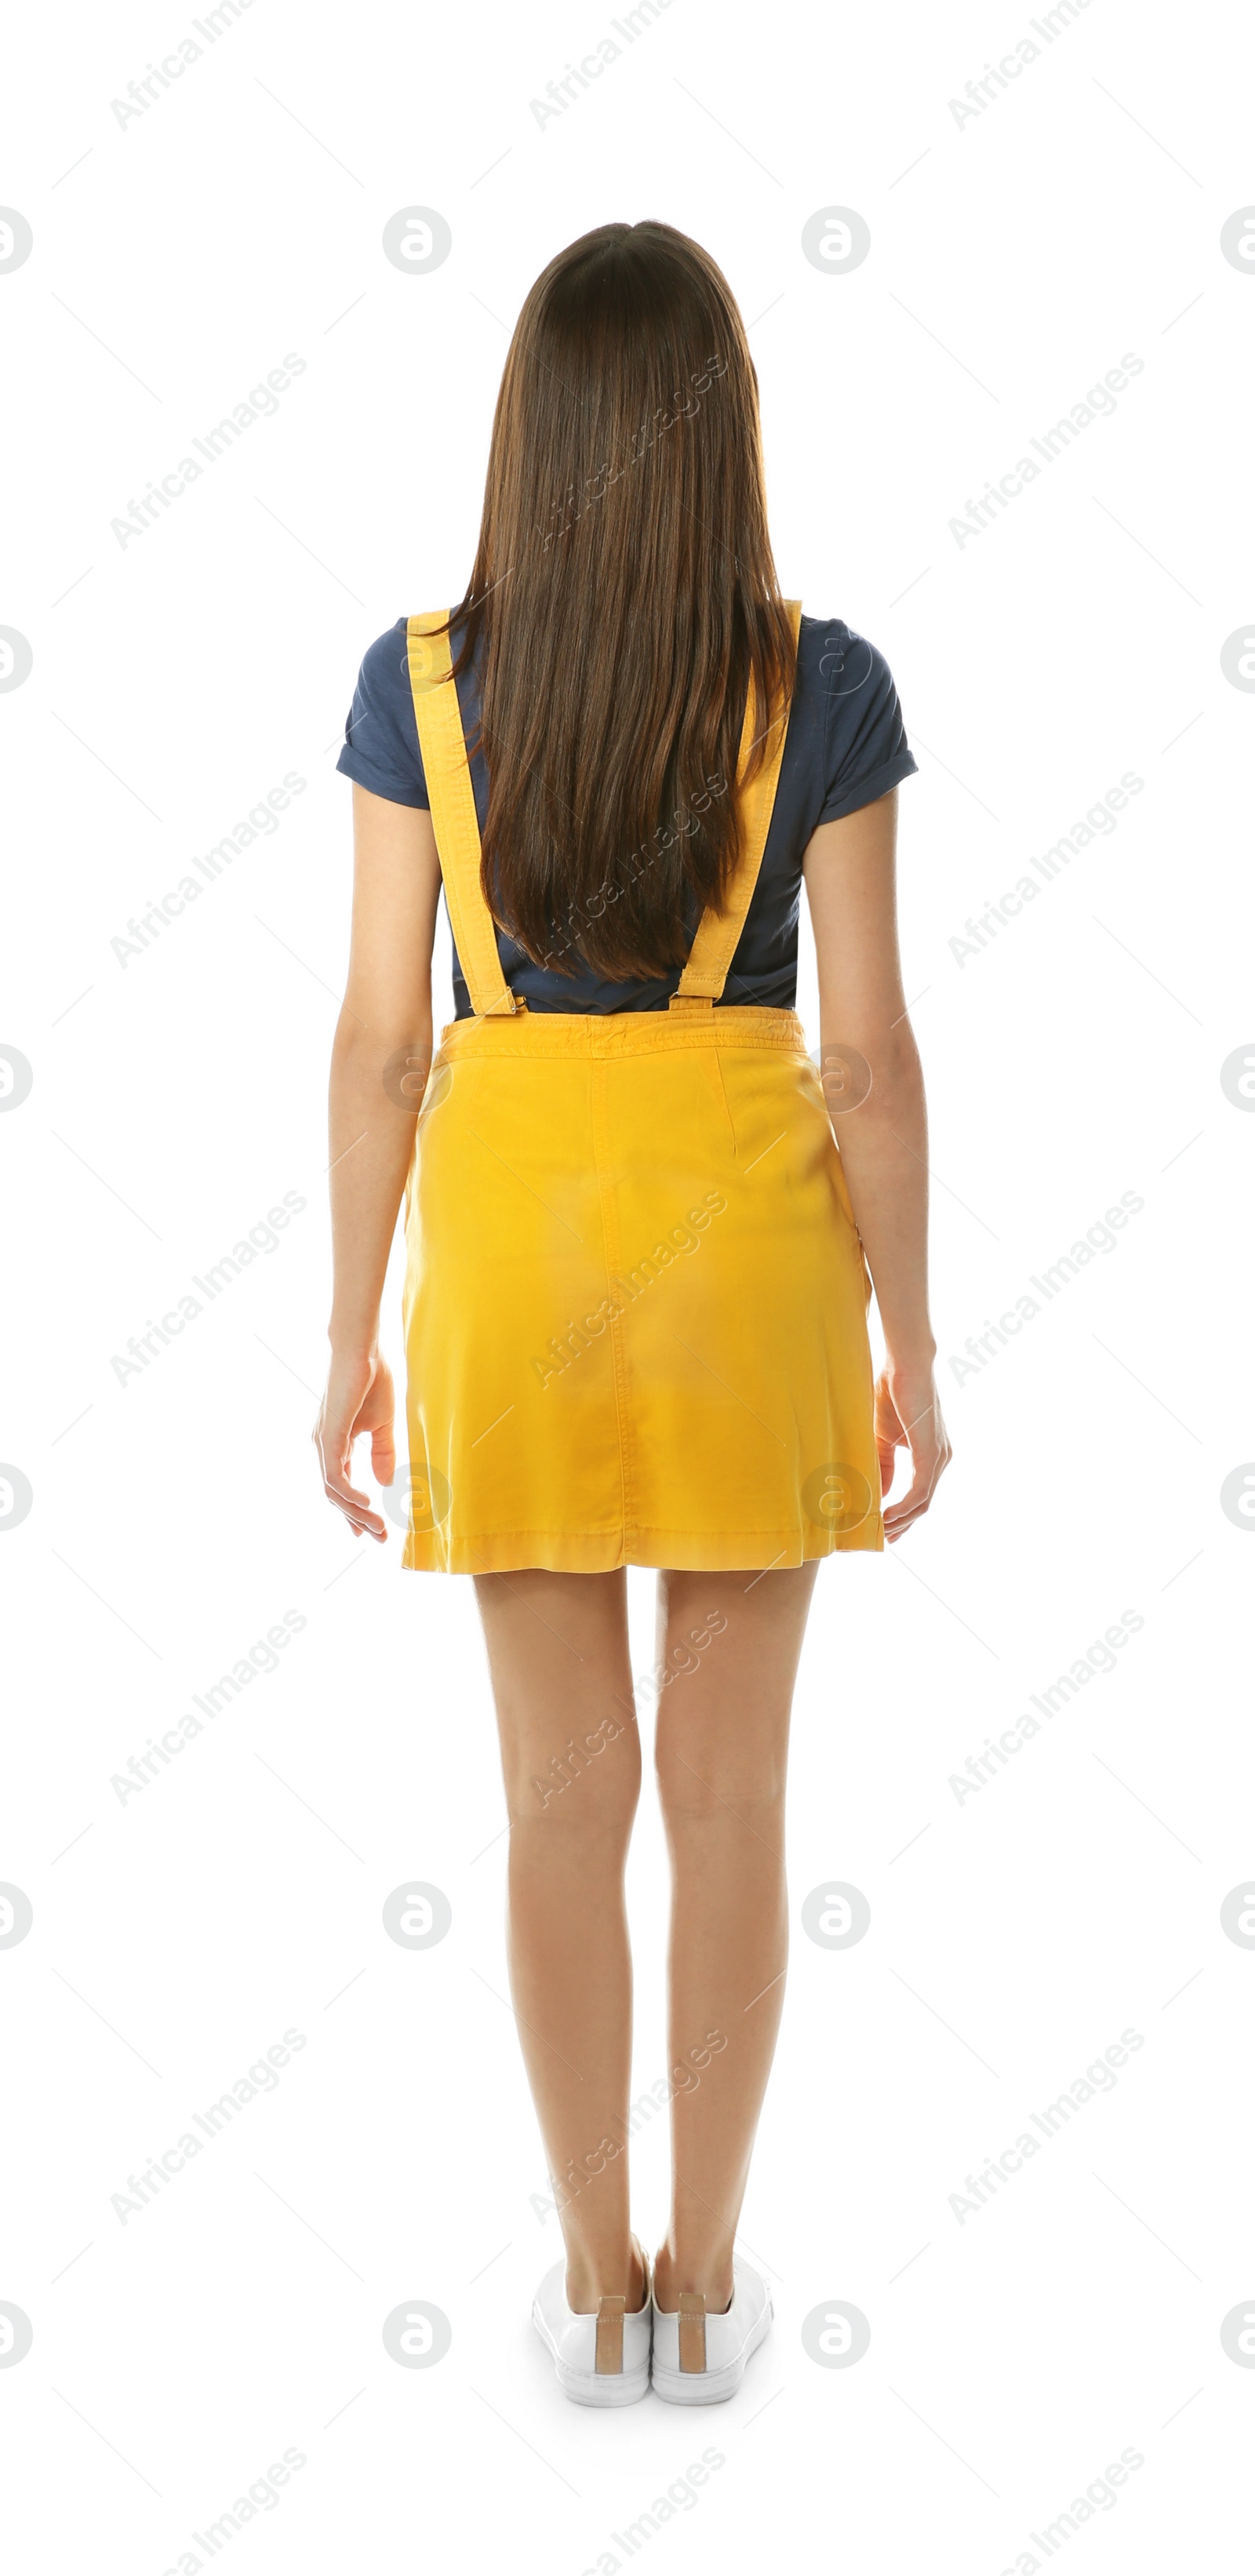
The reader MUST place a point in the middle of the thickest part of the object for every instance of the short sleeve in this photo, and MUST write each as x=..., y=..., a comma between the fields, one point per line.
x=866, y=751
x=380, y=732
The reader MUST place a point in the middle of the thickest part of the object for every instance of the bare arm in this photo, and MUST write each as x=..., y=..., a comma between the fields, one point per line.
x=382, y=1039
x=881, y=1128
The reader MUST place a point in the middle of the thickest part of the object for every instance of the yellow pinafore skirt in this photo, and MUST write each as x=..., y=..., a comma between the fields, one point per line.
x=636, y=1300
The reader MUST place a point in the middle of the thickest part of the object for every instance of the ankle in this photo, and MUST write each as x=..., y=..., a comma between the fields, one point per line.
x=710, y=2274
x=593, y=2274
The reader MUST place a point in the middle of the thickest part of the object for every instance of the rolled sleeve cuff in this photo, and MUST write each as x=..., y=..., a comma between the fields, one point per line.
x=877, y=784
x=381, y=782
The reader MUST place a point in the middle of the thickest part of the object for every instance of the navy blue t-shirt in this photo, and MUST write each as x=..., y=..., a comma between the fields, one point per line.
x=846, y=745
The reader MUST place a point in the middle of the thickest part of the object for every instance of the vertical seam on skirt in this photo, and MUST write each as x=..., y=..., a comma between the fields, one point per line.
x=727, y=1105
x=599, y=1072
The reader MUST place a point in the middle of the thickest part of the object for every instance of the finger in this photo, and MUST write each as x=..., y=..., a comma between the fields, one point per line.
x=917, y=1498
x=337, y=1488
x=929, y=1463
x=355, y=1506
x=334, y=1443
x=906, y=1512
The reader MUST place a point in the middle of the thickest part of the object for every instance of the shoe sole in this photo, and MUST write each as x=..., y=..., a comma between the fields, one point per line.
x=710, y=2387
x=596, y=2388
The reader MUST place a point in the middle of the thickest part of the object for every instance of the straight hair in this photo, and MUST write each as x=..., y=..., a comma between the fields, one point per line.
x=627, y=596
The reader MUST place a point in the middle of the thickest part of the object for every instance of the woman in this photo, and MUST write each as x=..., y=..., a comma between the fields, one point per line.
x=635, y=1309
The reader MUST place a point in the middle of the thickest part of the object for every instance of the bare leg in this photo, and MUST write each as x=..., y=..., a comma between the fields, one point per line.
x=722, y=1750
x=570, y=1755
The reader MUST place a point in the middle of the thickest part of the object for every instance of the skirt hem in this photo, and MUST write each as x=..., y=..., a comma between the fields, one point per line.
x=604, y=1551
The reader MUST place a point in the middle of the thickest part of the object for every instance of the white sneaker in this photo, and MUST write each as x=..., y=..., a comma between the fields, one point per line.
x=699, y=2359
x=601, y=2360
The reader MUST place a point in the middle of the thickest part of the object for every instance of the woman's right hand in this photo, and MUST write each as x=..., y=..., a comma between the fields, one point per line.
x=358, y=1402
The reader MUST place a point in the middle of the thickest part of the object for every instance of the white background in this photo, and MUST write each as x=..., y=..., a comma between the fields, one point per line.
x=1014, y=1935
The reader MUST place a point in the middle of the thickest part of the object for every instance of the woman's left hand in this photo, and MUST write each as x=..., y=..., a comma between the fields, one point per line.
x=358, y=1402
x=908, y=1416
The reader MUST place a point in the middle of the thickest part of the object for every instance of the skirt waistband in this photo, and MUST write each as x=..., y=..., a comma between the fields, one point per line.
x=611, y=1034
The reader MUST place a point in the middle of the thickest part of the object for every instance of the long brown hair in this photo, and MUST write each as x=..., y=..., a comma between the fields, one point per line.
x=625, y=588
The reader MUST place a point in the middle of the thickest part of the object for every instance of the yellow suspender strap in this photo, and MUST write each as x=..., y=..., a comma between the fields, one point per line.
x=715, y=942
x=446, y=768
x=455, y=823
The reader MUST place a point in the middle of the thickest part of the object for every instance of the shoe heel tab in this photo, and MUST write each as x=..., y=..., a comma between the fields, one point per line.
x=692, y=2330
x=609, y=2348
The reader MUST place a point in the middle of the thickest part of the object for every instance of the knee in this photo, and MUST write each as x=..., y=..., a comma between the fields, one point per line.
x=706, y=1785
x=591, y=1787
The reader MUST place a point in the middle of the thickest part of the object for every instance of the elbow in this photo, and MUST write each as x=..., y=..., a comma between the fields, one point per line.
x=895, y=1063
x=371, y=1042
